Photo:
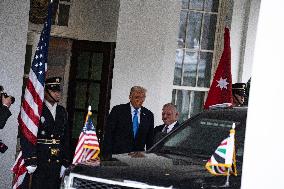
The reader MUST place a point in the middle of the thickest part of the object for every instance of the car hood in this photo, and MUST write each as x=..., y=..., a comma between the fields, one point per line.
x=153, y=169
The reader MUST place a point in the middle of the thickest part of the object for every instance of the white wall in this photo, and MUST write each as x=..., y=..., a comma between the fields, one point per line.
x=145, y=51
x=263, y=158
x=13, y=35
x=93, y=20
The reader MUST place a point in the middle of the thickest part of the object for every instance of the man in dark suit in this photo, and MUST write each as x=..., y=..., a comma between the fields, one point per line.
x=51, y=156
x=169, y=117
x=129, y=126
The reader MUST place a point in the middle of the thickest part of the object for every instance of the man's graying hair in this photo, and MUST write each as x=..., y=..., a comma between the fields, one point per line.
x=171, y=105
x=137, y=89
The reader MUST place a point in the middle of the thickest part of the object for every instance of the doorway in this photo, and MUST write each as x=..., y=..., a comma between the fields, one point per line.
x=89, y=84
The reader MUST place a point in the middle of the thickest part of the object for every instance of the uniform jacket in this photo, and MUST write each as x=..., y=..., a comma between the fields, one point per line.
x=56, y=133
x=50, y=152
x=118, y=136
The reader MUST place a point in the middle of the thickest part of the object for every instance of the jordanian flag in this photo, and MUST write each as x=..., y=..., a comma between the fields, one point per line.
x=223, y=161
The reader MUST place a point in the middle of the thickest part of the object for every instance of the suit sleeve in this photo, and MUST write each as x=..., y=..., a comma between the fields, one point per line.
x=108, y=132
x=5, y=114
x=150, y=134
x=157, y=130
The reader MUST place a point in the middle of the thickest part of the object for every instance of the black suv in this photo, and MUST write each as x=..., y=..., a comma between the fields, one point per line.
x=176, y=161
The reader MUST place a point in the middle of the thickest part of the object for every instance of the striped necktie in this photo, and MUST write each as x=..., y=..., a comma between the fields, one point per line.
x=165, y=130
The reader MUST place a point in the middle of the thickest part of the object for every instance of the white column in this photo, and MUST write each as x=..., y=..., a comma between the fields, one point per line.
x=237, y=31
x=263, y=161
x=250, y=40
x=244, y=22
x=13, y=35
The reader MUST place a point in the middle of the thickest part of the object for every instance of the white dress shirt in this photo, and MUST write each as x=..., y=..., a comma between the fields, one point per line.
x=51, y=108
x=170, y=127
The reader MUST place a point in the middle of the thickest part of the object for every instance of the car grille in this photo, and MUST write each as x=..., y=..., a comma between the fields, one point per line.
x=80, y=183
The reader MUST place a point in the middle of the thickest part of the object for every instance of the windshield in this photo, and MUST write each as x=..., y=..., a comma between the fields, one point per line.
x=199, y=137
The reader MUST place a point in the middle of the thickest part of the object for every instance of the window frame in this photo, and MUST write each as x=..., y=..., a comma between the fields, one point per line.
x=57, y=13
x=222, y=21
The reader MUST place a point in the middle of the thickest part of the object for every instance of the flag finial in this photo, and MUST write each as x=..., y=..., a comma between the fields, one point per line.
x=234, y=125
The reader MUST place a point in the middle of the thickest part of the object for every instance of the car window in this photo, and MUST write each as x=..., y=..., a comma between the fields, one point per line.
x=202, y=136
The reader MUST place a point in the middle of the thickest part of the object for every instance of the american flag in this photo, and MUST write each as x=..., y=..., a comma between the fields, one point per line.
x=88, y=145
x=32, y=103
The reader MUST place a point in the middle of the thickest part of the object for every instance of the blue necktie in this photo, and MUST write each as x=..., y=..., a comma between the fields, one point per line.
x=135, y=122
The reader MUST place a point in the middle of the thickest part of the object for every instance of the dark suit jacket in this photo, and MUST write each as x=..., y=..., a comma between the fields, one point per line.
x=118, y=135
x=158, y=134
x=4, y=115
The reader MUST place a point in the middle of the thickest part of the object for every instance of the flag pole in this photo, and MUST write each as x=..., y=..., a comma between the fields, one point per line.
x=30, y=180
x=227, y=184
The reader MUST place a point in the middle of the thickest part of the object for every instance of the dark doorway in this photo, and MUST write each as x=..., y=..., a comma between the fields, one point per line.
x=89, y=84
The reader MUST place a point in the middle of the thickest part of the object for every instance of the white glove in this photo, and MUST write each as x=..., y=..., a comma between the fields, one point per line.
x=62, y=170
x=31, y=168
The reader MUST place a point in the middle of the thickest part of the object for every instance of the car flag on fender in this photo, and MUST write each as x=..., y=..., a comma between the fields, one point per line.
x=220, y=91
x=223, y=161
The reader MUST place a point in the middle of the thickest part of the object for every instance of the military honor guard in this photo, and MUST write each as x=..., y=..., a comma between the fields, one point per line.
x=52, y=150
x=239, y=93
